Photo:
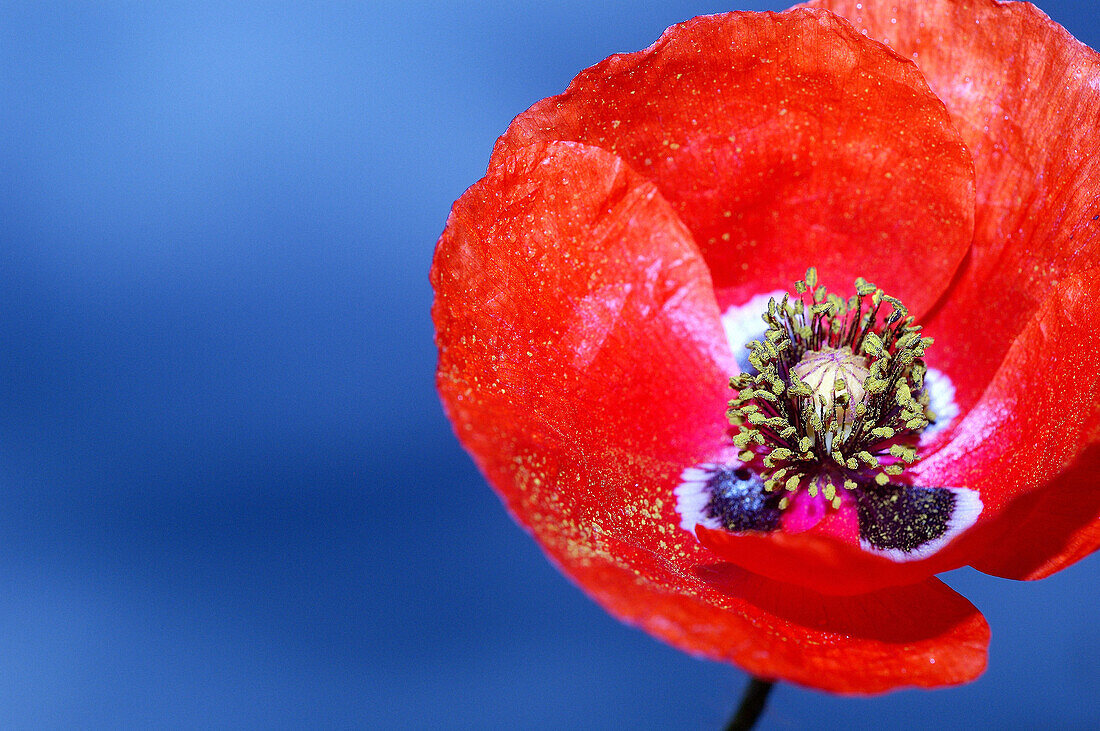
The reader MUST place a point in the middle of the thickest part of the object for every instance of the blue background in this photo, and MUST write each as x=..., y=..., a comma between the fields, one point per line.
x=228, y=495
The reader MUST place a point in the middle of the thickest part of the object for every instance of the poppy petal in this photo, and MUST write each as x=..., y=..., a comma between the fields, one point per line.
x=553, y=273
x=1035, y=430
x=899, y=535
x=581, y=355
x=922, y=635
x=1025, y=96
x=782, y=141
x=1050, y=528
x=822, y=562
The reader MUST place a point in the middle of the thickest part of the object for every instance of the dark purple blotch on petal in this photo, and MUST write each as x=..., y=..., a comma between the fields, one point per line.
x=903, y=517
x=740, y=502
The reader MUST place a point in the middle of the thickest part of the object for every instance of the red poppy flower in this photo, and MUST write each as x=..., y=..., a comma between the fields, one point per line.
x=593, y=290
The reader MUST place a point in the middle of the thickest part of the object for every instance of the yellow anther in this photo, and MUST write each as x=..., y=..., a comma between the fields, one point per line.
x=784, y=502
x=811, y=276
x=863, y=287
x=873, y=346
x=829, y=491
x=765, y=394
x=850, y=485
x=875, y=385
x=907, y=339
x=899, y=308
x=747, y=456
x=868, y=458
x=881, y=479
x=792, y=482
x=836, y=502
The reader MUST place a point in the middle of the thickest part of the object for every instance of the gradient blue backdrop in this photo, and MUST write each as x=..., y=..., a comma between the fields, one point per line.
x=228, y=495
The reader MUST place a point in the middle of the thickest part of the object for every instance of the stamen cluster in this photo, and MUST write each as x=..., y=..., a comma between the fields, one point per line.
x=837, y=400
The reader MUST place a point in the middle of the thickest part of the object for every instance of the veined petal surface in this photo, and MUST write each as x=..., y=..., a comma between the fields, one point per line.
x=782, y=140
x=583, y=364
x=1025, y=95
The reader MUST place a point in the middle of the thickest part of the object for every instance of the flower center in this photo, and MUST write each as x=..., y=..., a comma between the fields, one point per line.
x=835, y=377
x=837, y=398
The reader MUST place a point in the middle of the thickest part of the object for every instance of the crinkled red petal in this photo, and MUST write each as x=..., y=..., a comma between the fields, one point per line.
x=1050, y=528
x=783, y=141
x=822, y=562
x=582, y=359
x=923, y=635
x=581, y=356
x=1030, y=444
x=1026, y=97
x=582, y=364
